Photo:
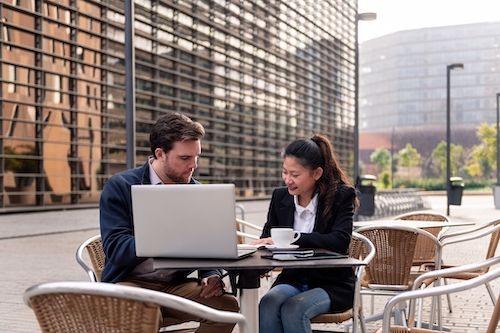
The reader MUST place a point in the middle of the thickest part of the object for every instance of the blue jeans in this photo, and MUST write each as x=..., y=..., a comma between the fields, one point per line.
x=288, y=308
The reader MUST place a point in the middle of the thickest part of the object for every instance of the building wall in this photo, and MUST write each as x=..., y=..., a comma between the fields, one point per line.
x=403, y=84
x=257, y=74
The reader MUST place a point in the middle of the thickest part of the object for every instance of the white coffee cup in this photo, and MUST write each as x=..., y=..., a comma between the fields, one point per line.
x=283, y=237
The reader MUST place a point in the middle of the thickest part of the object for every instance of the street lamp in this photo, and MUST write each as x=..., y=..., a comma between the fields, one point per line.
x=498, y=139
x=496, y=189
x=359, y=17
x=449, y=68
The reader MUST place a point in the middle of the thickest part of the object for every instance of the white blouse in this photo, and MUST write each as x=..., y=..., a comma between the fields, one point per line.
x=305, y=217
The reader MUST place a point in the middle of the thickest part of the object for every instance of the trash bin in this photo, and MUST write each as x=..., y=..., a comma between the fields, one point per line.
x=457, y=190
x=366, y=195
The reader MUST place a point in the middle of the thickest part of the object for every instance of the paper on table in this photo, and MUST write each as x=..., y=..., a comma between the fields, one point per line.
x=249, y=246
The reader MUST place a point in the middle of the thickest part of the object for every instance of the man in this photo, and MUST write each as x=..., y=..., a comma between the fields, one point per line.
x=175, y=144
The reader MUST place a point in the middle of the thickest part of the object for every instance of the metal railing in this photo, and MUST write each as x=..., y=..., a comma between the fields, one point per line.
x=391, y=203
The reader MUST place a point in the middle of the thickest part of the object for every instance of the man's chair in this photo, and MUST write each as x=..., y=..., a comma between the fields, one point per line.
x=87, y=307
x=389, y=272
x=359, y=244
x=413, y=295
x=93, y=245
x=242, y=231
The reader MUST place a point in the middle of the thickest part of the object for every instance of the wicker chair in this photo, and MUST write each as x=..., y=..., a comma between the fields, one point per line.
x=413, y=295
x=87, y=307
x=389, y=272
x=491, y=229
x=93, y=245
x=241, y=225
x=425, y=248
x=359, y=244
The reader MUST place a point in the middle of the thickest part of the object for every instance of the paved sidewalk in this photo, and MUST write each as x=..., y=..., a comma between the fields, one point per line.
x=40, y=247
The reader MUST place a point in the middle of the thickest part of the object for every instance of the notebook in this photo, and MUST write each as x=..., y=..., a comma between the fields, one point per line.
x=186, y=221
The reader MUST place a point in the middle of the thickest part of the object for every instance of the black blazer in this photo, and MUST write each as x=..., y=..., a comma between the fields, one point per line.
x=334, y=235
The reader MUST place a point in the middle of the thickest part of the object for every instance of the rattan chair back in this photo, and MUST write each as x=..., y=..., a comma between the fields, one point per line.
x=425, y=248
x=391, y=265
x=87, y=307
x=93, y=245
x=84, y=313
x=97, y=257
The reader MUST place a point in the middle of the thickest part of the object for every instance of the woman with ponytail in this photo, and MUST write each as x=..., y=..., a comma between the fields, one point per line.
x=319, y=201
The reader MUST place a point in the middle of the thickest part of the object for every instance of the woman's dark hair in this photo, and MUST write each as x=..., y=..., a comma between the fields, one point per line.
x=173, y=127
x=318, y=152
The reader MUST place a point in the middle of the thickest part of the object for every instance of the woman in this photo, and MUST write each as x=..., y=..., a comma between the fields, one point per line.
x=318, y=201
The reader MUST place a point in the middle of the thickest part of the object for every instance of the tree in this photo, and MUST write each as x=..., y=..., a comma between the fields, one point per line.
x=385, y=179
x=382, y=158
x=409, y=157
x=456, y=155
x=485, y=154
x=474, y=170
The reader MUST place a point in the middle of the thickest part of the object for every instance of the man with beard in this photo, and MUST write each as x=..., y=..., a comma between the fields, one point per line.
x=176, y=144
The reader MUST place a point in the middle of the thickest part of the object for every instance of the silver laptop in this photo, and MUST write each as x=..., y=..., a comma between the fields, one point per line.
x=186, y=221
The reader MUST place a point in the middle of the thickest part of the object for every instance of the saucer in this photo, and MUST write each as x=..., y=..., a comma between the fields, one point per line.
x=274, y=247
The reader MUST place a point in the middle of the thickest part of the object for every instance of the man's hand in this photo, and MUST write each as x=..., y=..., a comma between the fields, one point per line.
x=212, y=286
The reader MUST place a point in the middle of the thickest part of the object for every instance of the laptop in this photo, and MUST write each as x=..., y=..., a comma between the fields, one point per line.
x=186, y=221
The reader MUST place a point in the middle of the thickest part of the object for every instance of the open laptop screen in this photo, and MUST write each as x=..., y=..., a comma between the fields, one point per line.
x=185, y=221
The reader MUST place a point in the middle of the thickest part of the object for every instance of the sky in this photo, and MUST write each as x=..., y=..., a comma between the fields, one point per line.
x=397, y=15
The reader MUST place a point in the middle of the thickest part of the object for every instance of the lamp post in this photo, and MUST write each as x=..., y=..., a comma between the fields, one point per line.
x=449, y=68
x=359, y=17
x=496, y=188
x=498, y=139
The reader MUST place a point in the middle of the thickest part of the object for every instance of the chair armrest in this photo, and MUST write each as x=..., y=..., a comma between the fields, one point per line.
x=436, y=291
x=445, y=272
x=249, y=224
x=468, y=231
x=471, y=235
x=243, y=223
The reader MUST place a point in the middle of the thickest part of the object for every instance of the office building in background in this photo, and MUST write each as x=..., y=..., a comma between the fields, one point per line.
x=403, y=87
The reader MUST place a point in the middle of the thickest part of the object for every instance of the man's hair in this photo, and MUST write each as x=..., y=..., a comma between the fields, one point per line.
x=173, y=127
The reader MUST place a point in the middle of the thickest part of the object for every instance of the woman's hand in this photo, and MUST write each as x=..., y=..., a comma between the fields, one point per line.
x=263, y=241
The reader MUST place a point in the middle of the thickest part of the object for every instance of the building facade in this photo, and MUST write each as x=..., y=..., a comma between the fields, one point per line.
x=403, y=86
x=256, y=73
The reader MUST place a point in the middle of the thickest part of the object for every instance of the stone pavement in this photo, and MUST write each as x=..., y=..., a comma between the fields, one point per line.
x=40, y=247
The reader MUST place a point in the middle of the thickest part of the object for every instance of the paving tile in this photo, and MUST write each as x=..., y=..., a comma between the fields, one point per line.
x=40, y=247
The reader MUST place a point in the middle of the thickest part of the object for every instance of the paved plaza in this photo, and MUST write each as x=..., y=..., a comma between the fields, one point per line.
x=40, y=247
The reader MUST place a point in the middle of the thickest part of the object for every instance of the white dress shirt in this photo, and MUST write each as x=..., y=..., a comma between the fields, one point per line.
x=305, y=217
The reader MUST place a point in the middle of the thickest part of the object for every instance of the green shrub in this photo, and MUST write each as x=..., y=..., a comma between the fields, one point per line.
x=385, y=179
x=436, y=184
